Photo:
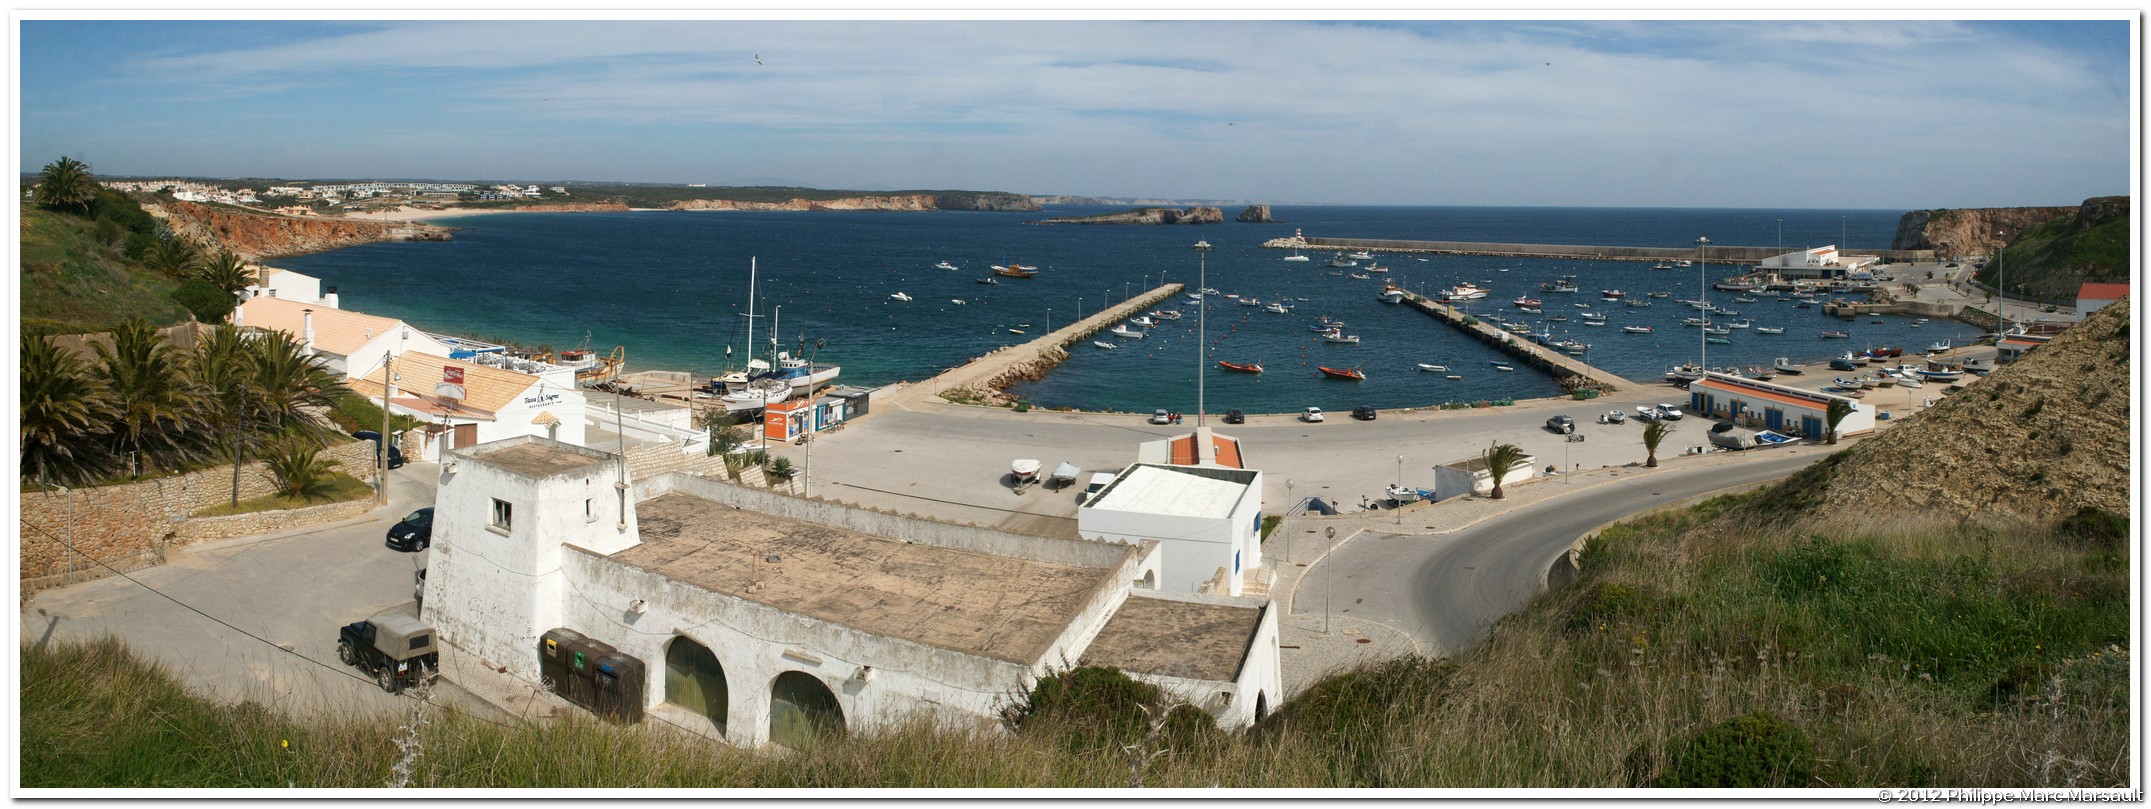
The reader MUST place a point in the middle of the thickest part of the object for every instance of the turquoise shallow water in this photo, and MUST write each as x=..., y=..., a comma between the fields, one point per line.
x=670, y=286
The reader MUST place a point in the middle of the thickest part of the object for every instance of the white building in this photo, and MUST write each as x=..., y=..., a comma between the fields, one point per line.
x=350, y=343
x=496, y=403
x=291, y=286
x=1774, y=407
x=1207, y=521
x=1470, y=476
x=1818, y=263
x=756, y=617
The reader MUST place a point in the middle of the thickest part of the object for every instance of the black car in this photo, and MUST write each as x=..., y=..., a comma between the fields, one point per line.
x=1235, y=417
x=413, y=533
x=395, y=455
x=1363, y=413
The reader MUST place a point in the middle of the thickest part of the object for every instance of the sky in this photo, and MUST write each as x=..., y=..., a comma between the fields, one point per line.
x=1903, y=114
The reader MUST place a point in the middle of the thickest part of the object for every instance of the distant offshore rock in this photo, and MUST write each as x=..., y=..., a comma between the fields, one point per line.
x=1147, y=216
x=1256, y=213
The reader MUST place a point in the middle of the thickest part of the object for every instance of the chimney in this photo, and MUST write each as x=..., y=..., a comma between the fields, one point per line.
x=309, y=333
x=239, y=315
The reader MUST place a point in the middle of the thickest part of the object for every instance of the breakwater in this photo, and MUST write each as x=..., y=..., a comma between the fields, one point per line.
x=1571, y=373
x=984, y=380
x=1728, y=254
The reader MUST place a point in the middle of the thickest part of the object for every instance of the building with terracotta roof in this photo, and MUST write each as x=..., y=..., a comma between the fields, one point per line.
x=291, y=286
x=350, y=343
x=1774, y=407
x=2090, y=297
x=1199, y=448
x=464, y=403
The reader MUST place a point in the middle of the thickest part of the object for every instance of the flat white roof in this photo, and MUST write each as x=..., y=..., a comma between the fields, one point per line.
x=1172, y=492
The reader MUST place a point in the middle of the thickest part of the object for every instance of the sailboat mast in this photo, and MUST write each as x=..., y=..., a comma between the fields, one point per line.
x=751, y=272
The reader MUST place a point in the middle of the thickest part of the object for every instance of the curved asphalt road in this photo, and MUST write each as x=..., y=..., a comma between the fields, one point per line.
x=1445, y=590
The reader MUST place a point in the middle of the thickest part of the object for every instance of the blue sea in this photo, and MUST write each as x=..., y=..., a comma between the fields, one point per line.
x=671, y=286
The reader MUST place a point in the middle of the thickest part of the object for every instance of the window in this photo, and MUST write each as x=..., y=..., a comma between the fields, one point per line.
x=419, y=641
x=589, y=513
x=503, y=515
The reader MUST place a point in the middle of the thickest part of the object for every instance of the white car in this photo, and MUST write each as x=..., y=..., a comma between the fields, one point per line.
x=1313, y=414
x=1098, y=482
x=1161, y=417
x=1669, y=412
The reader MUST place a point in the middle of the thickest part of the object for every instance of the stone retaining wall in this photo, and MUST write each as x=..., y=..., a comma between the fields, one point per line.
x=202, y=529
x=128, y=520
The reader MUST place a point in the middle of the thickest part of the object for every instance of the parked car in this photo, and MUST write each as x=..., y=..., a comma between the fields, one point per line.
x=1613, y=417
x=413, y=533
x=1312, y=415
x=1098, y=482
x=394, y=646
x=1646, y=413
x=1561, y=424
x=395, y=455
x=1161, y=417
x=1669, y=412
x=1363, y=413
x=1235, y=417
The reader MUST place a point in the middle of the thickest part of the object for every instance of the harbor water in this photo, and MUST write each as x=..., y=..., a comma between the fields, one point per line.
x=671, y=288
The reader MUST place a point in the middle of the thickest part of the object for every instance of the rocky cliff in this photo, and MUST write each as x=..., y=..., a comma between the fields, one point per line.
x=2051, y=261
x=886, y=202
x=1967, y=231
x=1148, y=216
x=2029, y=444
x=1256, y=213
x=259, y=236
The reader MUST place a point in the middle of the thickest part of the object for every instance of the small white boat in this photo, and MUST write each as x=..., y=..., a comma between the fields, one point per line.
x=1428, y=366
x=1361, y=256
x=946, y=266
x=1358, y=276
x=1451, y=376
x=1103, y=344
x=1636, y=329
x=1123, y=331
x=900, y=296
x=1143, y=321
x=1250, y=301
x=1503, y=368
x=1277, y=307
x=1016, y=331
x=1335, y=337
x=1639, y=302
x=1739, y=324
x=1938, y=347
x=1768, y=330
x=957, y=301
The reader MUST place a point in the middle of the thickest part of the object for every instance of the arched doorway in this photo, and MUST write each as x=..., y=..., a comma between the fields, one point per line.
x=800, y=708
x=1262, y=706
x=694, y=680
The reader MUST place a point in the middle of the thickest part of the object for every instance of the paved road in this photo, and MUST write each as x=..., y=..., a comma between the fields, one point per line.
x=1445, y=590
x=292, y=589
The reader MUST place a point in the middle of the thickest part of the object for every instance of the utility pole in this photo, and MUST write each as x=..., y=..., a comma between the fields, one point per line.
x=1202, y=339
x=806, y=478
x=380, y=449
x=1329, y=574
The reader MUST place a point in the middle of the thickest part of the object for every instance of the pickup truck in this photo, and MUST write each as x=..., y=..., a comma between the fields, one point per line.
x=394, y=647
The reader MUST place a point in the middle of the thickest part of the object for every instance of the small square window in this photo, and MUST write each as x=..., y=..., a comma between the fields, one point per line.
x=503, y=515
x=589, y=511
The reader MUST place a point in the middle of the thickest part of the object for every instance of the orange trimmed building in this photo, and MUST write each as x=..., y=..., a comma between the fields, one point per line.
x=1773, y=407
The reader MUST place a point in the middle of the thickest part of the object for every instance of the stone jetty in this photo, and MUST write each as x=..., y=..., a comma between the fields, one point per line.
x=984, y=380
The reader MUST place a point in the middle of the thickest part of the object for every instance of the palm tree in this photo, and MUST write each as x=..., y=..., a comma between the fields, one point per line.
x=66, y=181
x=223, y=365
x=155, y=403
x=1834, y=415
x=1501, y=459
x=63, y=413
x=227, y=271
x=1654, y=433
x=780, y=471
x=299, y=470
x=286, y=384
x=174, y=256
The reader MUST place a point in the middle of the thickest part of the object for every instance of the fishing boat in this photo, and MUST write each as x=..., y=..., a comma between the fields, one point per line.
x=1835, y=335
x=1103, y=344
x=1785, y=366
x=1688, y=372
x=1695, y=321
x=1245, y=368
x=1885, y=351
x=1376, y=269
x=1341, y=373
x=1768, y=330
x=1466, y=291
x=1454, y=376
x=1566, y=283
x=1740, y=324
x=1123, y=331
x=1358, y=276
x=1503, y=368
x=1937, y=372
x=1598, y=322
x=1598, y=316
x=1661, y=266
x=1391, y=294
x=1639, y=302
x=1015, y=270
x=1554, y=318
x=1340, y=261
x=1738, y=284
x=1143, y=321
x=1166, y=314
x=1428, y=366
x=1687, y=263
x=1636, y=329
x=1938, y=347
x=1017, y=331
x=1611, y=294
x=1250, y=301
x=1526, y=302
x=1279, y=308
x=1718, y=340
x=1657, y=294
x=1744, y=299
x=947, y=266
x=1340, y=337
x=1717, y=331
x=957, y=301
x=989, y=280
x=1361, y=255
x=900, y=296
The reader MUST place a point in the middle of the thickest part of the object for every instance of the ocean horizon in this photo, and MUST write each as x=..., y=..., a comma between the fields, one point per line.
x=670, y=287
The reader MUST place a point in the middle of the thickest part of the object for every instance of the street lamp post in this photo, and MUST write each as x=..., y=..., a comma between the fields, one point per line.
x=1329, y=574
x=1702, y=293
x=1292, y=501
x=806, y=478
x=1400, y=485
x=1202, y=326
x=2000, y=322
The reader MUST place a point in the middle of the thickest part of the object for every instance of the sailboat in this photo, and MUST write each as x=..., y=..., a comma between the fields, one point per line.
x=748, y=389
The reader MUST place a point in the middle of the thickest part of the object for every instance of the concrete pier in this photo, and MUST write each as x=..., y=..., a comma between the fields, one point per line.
x=1727, y=254
x=983, y=377
x=1571, y=373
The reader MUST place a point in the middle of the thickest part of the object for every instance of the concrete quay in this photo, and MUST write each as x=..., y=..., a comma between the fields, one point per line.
x=1571, y=373
x=985, y=375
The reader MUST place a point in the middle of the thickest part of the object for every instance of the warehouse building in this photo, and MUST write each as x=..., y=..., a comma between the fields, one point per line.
x=753, y=617
x=1777, y=408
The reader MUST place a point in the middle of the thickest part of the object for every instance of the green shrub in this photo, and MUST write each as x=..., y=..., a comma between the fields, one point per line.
x=1604, y=601
x=2095, y=528
x=1757, y=750
x=208, y=303
x=1088, y=708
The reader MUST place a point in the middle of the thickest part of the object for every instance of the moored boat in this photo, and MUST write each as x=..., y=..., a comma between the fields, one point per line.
x=1835, y=335
x=1013, y=270
x=1103, y=344
x=1428, y=366
x=1123, y=331
x=1785, y=366
x=900, y=296
x=1340, y=337
x=1245, y=368
x=1341, y=373
x=1636, y=329
x=1768, y=330
x=1466, y=291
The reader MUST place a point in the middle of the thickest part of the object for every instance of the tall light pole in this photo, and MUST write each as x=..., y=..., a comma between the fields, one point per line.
x=1202, y=342
x=2000, y=292
x=806, y=478
x=1399, y=510
x=1291, y=501
x=1330, y=576
x=1702, y=292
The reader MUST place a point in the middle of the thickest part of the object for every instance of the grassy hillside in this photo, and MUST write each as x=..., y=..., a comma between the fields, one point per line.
x=72, y=283
x=2052, y=260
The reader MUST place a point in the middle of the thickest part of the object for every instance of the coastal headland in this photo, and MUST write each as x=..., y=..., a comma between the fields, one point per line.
x=1728, y=254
